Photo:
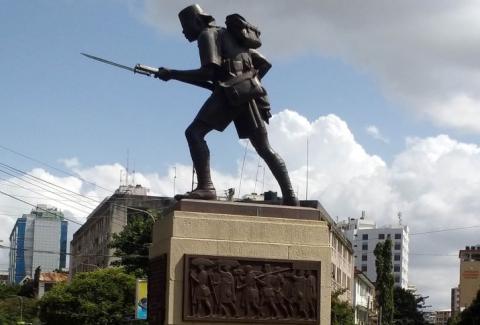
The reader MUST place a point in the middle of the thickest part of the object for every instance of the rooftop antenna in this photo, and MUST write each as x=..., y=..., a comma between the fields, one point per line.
x=256, y=175
x=121, y=173
x=193, y=177
x=128, y=158
x=263, y=180
x=399, y=215
x=306, y=188
x=133, y=176
x=241, y=172
x=174, y=178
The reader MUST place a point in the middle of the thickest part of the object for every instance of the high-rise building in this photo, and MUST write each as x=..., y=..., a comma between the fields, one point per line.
x=365, y=235
x=455, y=301
x=90, y=244
x=469, y=275
x=38, y=239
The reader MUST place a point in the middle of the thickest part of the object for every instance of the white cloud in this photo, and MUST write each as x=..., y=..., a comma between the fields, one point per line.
x=424, y=55
x=70, y=163
x=433, y=182
x=375, y=133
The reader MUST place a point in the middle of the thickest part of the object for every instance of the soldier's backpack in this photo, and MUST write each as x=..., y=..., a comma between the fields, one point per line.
x=245, y=33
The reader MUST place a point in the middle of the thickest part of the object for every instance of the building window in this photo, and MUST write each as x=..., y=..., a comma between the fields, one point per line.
x=398, y=246
x=396, y=268
x=333, y=271
x=364, y=257
x=365, y=237
x=397, y=279
x=398, y=236
x=396, y=257
x=365, y=247
x=381, y=236
x=389, y=236
x=339, y=275
x=364, y=267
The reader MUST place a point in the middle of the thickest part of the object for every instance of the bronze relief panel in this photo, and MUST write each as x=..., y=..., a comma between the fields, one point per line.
x=238, y=289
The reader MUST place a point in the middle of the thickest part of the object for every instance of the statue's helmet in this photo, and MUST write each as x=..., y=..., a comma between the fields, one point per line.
x=193, y=11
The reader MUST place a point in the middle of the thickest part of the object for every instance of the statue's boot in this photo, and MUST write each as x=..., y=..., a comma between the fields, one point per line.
x=279, y=171
x=205, y=189
x=198, y=194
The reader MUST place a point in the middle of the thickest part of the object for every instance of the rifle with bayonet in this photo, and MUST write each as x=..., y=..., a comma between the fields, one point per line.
x=148, y=71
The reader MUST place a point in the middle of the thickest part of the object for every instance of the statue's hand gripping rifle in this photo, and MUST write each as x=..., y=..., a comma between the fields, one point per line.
x=148, y=71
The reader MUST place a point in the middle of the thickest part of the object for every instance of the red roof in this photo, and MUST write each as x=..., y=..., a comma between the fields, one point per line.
x=53, y=277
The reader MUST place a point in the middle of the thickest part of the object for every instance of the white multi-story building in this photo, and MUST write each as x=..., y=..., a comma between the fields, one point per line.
x=365, y=235
x=38, y=239
x=364, y=299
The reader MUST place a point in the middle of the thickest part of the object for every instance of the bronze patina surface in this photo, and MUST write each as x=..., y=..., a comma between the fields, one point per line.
x=238, y=289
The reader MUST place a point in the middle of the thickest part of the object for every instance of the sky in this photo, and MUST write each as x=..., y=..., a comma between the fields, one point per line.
x=384, y=93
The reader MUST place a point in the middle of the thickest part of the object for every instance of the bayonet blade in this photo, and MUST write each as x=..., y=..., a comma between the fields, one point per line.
x=109, y=62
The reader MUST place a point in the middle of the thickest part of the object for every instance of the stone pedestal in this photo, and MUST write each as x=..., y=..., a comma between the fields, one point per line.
x=236, y=230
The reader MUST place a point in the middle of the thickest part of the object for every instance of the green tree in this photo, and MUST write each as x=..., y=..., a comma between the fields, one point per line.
x=407, y=307
x=341, y=312
x=102, y=297
x=453, y=320
x=131, y=244
x=8, y=290
x=385, y=281
x=471, y=315
x=13, y=307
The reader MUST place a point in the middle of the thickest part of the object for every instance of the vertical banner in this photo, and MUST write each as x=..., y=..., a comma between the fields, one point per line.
x=141, y=299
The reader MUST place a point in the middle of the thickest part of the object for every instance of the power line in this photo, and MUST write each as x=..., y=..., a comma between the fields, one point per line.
x=47, y=197
x=67, y=253
x=49, y=184
x=61, y=195
x=444, y=230
x=54, y=168
x=45, y=210
x=359, y=240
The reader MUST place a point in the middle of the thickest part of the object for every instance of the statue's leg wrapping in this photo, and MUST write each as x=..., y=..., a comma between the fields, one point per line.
x=200, y=154
x=277, y=166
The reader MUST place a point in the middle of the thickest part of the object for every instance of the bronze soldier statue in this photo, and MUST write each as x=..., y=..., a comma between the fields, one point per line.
x=234, y=71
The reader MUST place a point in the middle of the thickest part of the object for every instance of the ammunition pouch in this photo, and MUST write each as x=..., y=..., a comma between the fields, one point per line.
x=243, y=88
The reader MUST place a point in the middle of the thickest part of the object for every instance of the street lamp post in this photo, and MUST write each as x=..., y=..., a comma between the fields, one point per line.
x=144, y=211
x=21, y=307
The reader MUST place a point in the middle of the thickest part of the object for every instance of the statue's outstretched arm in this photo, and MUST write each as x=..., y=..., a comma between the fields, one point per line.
x=205, y=73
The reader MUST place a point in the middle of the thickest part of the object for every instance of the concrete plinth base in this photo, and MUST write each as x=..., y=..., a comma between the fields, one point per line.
x=237, y=230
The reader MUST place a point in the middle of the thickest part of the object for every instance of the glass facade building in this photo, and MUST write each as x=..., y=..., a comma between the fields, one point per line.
x=38, y=239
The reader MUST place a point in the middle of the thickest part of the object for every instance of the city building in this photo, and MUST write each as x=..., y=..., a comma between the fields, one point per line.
x=365, y=235
x=342, y=266
x=430, y=317
x=38, y=239
x=3, y=277
x=364, y=299
x=455, y=301
x=442, y=317
x=90, y=244
x=469, y=275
